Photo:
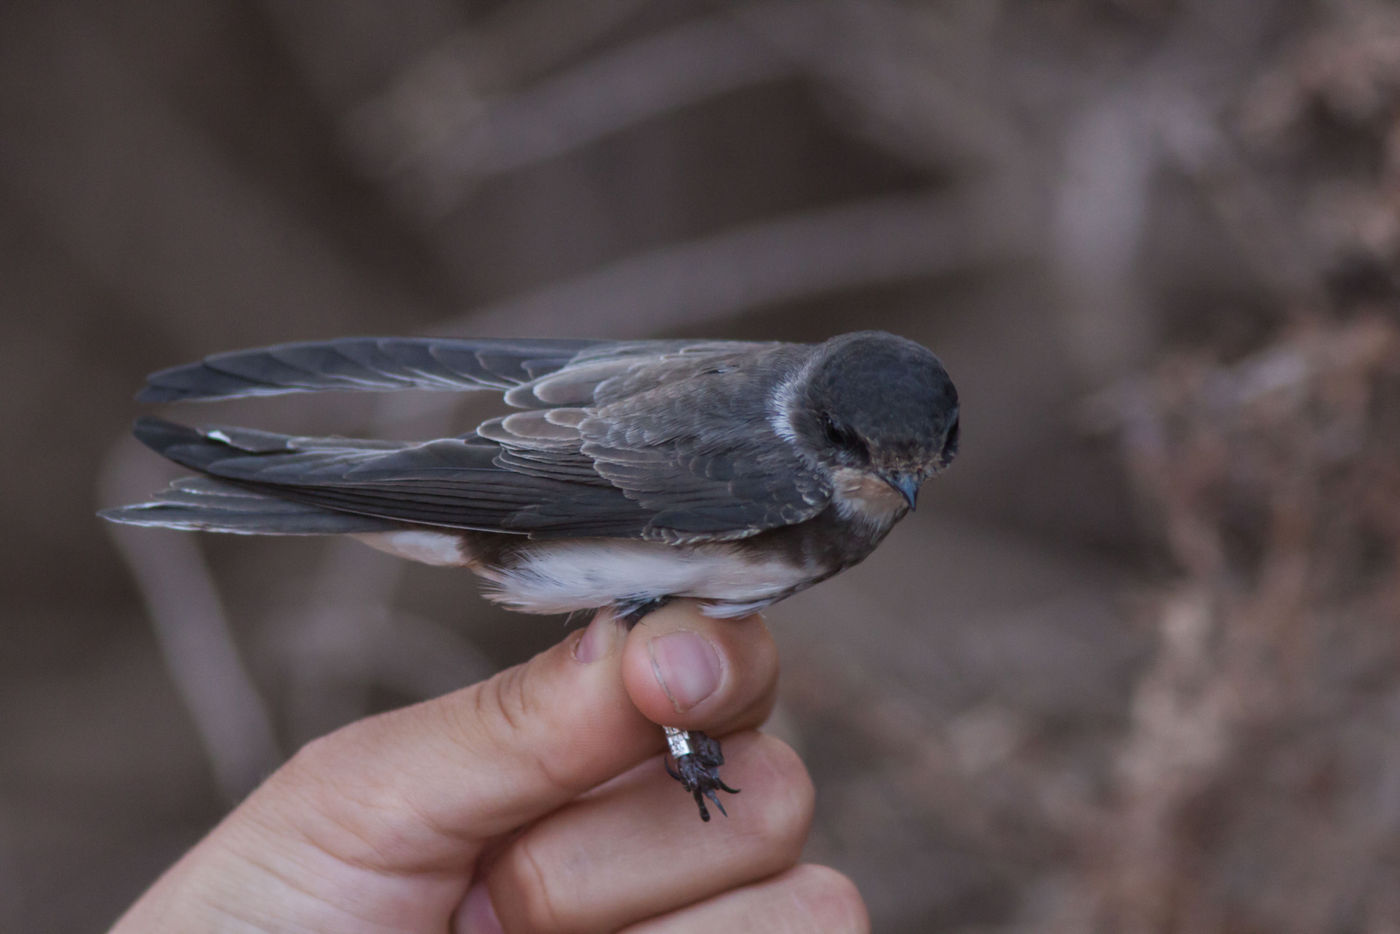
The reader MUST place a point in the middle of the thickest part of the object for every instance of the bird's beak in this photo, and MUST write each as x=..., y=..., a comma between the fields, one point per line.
x=907, y=484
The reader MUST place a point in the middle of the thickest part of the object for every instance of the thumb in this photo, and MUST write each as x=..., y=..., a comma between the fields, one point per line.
x=412, y=795
x=427, y=784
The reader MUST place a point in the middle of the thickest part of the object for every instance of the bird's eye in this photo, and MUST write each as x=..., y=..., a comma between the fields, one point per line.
x=843, y=438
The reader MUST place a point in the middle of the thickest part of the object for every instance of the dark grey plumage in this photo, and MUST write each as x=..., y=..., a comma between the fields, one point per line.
x=683, y=443
x=363, y=363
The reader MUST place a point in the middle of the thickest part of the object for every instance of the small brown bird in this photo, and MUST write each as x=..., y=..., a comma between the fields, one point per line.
x=730, y=472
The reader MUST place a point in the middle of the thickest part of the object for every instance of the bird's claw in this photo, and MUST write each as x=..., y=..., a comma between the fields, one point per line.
x=698, y=772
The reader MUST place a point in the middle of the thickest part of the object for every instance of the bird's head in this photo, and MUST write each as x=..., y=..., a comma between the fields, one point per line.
x=878, y=408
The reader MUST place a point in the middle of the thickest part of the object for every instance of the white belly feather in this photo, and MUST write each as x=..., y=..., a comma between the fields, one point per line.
x=580, y=574
x=559, y=577
x=440, y=549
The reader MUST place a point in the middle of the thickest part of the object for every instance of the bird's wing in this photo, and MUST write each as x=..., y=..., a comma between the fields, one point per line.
x=676, y=446
x=687, y=436
x=531, y=372
x=667, y=440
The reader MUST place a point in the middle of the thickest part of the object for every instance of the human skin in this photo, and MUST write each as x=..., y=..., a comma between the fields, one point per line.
x=533, y=801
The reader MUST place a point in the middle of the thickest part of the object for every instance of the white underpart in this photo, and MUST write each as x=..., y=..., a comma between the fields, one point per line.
x=437, y=548
x=560, y=577
x=564, y=576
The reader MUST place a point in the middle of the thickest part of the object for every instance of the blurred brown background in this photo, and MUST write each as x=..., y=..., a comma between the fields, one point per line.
x=1132, y=667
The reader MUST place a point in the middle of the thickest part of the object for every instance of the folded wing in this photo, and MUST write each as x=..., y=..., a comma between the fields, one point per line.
x=661, y=440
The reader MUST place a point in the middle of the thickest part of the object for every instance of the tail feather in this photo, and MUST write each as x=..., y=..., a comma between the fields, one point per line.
x=210, y=505
x=202, y=504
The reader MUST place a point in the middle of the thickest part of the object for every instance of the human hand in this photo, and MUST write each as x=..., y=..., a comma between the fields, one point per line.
x=534, y=801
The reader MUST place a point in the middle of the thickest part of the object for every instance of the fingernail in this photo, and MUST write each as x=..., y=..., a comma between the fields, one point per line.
x=686, y=666
x=476, y=915
x=598, y=638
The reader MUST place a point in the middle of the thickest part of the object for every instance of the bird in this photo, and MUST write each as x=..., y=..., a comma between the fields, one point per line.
x=631, y=473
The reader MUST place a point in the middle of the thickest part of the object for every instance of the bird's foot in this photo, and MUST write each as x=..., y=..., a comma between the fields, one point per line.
x=632, y=611
x=697, y=759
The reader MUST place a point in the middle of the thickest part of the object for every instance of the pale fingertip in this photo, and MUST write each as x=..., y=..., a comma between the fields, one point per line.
x=476, y=914
x=804, y=898
x=598, y=640
x=832, y=897
x=727, y=682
